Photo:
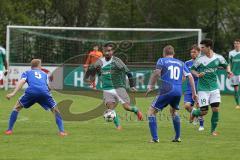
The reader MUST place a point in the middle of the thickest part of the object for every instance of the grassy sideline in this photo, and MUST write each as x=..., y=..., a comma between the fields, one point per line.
x=35, y=135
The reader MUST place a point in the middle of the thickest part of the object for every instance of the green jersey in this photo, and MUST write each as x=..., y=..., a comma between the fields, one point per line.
x=209, y=67
x=234, y=60
x=2, y=58
x=112, y=73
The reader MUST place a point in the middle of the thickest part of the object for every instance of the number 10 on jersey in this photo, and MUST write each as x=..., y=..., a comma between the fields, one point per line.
x=174, y=72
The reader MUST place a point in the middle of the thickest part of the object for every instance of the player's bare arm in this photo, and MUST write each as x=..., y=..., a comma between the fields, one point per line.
x=197, y=74
x=184, y=78
x=153, y=79
x=131, y=81
x=191, y=81
x=92, y=71
x=123, y=66
x=229, y=72
x=18, y=87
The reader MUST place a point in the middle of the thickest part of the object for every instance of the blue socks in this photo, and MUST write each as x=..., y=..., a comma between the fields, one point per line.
x=201, y=121
x=12, y=119
x=153, y=127
x=59, y=121
x=176, y=124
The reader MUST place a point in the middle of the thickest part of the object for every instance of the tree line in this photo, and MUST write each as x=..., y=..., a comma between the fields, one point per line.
x=219, y=19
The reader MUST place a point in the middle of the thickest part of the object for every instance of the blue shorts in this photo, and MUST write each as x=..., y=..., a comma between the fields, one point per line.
x=188, y=98
x=45, y=100
x=161, y=101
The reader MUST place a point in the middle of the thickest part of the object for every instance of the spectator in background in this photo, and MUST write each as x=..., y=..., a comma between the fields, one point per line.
x=3, y=62
x=92, y=57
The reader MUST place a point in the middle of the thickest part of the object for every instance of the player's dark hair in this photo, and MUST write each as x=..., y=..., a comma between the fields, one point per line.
x=237, y=40
x=108, y=46
x=95, y=44
x=195, y=47
x=207, y=43
x=168, y=50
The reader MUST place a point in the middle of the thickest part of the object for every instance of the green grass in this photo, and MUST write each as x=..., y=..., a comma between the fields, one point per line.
x=35, y=135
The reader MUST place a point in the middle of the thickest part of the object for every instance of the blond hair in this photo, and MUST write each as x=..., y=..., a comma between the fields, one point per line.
x=168, y=50
x=36, y=63
x=195, y=47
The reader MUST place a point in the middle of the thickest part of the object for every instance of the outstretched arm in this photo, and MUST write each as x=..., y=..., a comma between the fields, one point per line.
x=122, y=66
x=192, y=84
x=92, y=70
x=197, y=74
x=226, y=66
x=229, y=72
x=153, y=79
x=18, y=87
x=194, y=69
x=131, y=79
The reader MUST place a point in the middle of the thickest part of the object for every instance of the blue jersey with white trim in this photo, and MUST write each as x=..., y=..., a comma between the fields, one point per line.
x=172, y=71
x=189, y=64
x=36, y=80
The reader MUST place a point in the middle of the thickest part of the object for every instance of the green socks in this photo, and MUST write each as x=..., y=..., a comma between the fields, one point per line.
x=237, y=97
x=196, y=112
x=134, y=109
x=214, y=121
x=116, y=120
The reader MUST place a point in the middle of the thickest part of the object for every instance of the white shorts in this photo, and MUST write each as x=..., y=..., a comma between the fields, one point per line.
x=116, y=95
x=208, y=97
x=235, y=80
x=1, y=75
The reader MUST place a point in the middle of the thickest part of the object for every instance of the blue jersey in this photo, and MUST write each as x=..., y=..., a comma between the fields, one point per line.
x=189, y=64
x=172, y=71
x=37, y=81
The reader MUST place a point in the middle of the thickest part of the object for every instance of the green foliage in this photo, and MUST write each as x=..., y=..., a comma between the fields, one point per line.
x=219, y=19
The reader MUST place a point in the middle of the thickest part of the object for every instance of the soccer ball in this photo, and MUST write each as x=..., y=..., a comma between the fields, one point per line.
x=109, y=115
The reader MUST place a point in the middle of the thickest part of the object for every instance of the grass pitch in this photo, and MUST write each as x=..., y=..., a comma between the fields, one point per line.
x=35, y=135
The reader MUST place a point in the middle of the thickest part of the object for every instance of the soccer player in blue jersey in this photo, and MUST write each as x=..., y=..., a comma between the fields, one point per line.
x=37, y=92
x=171, y=71
x=188, y=100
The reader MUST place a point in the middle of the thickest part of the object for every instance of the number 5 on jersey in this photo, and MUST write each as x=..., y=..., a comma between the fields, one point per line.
x=38, y=75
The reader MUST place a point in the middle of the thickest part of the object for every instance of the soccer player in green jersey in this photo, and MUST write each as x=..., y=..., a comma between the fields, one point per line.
x=234, y=61
x=112, y=72
x=3, y=62
x=205, y=67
